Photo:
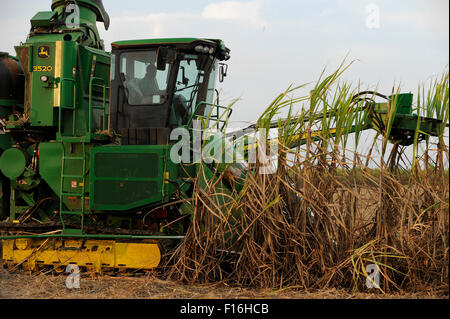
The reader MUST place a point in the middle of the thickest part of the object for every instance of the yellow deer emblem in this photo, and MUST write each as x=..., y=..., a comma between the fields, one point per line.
x=44, y=51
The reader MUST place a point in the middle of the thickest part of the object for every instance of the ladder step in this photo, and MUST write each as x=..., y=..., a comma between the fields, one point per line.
x=69, y=231
x=66, y=212
x=68, y=107
x=74, y=139
x=82, y=196
x=74, y=158
x=75, y=194
x=73, y=176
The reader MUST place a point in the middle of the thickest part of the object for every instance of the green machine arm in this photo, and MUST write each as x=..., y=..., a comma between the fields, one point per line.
x=394, y=116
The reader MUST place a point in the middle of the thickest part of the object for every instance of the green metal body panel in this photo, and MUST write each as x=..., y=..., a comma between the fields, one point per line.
x=68, y=85
x=42, y=19
x=42, y=112
x=409, y=122
x=12, y=163
x=50, y=160
x=70, y=59
x=404, y=122
x=404, y=103
x=50, y=167
x=129, y=177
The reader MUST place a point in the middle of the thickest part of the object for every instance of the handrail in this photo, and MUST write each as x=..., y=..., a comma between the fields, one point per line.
x=91, y=107
x=61, y=107
x=217, y=116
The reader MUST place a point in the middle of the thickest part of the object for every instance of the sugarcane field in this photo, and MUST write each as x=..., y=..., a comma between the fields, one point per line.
x=243, y=150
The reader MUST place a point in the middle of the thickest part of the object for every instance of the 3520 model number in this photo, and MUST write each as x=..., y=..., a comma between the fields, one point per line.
x=42, y=68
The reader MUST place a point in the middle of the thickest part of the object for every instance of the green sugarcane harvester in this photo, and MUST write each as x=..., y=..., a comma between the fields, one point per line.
x=84, y=141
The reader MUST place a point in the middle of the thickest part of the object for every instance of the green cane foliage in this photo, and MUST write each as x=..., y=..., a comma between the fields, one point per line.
x=317, y=223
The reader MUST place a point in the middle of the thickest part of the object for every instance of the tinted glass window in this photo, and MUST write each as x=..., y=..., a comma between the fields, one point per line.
x=144, y=84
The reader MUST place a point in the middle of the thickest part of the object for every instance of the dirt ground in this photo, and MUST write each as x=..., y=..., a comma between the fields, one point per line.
x=23, y=286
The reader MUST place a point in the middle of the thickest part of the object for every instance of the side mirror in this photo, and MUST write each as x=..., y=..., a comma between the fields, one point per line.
x=223, y=70
x=183, y=74
x=165, y=56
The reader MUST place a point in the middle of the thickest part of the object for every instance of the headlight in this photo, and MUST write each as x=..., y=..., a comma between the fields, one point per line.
x=44, y=78
x=199, y=48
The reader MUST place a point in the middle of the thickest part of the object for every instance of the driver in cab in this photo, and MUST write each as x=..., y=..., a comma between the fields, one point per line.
x=146, y=90
x=148, y=85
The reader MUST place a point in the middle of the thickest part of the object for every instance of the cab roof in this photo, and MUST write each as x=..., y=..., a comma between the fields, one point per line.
x=145, y=42
x=182, y=42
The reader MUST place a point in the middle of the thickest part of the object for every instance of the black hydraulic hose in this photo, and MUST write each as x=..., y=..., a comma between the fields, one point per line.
x=372, y=93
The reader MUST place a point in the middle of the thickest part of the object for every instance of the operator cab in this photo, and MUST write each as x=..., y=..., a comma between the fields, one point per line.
x=158, y=85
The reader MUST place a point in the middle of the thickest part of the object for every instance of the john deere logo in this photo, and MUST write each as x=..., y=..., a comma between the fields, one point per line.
x=44, y=52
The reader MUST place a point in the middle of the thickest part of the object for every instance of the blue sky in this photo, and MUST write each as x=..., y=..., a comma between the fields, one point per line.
x=278, y=43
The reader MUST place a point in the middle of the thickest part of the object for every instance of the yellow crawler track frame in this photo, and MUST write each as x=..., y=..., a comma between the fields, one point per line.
x=95, y=255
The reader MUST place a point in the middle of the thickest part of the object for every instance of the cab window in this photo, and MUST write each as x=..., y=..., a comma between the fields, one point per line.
x=144, y=84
